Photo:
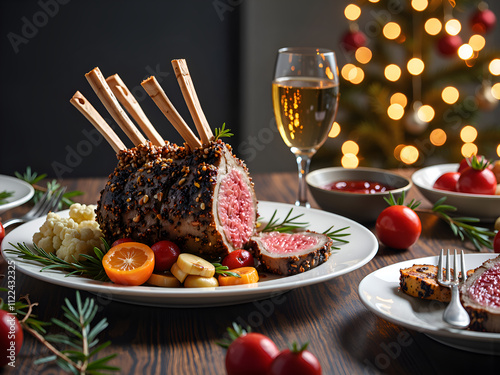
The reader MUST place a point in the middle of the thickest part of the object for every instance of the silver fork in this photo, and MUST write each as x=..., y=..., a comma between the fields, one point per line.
x=454, y=314
x=48, y=202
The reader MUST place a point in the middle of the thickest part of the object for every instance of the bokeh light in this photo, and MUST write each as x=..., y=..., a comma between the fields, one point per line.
x=363, y=55
x=495, y=90
x=415, y=66
x=409, y=154
x=465, y=51
x=438, y=137
x=468, y=149
x=358, y=78
x=335, y=130
x=426, y=113
x=468, y=134
x=453, y=26
x=350, y=161
x=395, y=111
x=350, y=147
x=392, y=72
x=494, y=67
x=391, y=30
x=433, y=26
x=450, y=95
x=399, y=98
x=498, y=149
x=397, y=151
x=419, y=5
x=348, y=71
x=352, y=12
x=477, y=42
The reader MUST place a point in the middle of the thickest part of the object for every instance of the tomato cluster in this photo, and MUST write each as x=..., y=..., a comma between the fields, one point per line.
x=474, y=176
x=253, y=353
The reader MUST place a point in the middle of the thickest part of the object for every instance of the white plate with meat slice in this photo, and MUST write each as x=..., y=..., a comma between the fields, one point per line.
x=380, y=293
x=361, y=248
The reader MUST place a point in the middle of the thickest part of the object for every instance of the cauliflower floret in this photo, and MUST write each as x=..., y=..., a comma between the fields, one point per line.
x=72, y=236
x=81, y=212
x=51, y=234
x=79, y=241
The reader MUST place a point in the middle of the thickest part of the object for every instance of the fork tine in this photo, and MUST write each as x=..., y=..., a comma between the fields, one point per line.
x=464, y=270
x=38, y=208
x=54, y=200
x=448, y=269
x=456, y=276
x=440, y=267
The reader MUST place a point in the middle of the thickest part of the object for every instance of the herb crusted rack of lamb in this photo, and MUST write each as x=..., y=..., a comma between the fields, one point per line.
x=199, y=195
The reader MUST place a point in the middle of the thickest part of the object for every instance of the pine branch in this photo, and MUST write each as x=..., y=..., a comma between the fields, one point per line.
x=79, y=336
x=222, y=132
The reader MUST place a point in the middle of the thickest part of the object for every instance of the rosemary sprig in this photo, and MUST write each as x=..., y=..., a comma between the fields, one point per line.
x=90, y=267
x=336, y=235
x=223, y=270
x=34, y=178
x=4, y=195
x=461, y=226
x=222, y=132
x=288, y=224
x=80, y=338
x=18, y=309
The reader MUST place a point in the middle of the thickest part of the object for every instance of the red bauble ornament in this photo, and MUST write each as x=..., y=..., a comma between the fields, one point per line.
x=448, y=44
x=483, y=21
x=352, y=40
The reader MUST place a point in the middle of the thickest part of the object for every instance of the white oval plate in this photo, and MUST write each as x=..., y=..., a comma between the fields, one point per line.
x=484, y=207
x=361, y=248
x=21, y=189
x=379, y=291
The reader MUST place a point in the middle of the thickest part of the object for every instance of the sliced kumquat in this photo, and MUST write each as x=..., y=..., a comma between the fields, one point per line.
x=248, y=275
x=129, y=263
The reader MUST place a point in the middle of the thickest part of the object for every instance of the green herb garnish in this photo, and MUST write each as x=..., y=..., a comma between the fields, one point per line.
x=90, y=267
x=222, y=132
x=4, y=195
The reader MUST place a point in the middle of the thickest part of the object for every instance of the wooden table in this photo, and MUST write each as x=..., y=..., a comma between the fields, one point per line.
x=343, y=334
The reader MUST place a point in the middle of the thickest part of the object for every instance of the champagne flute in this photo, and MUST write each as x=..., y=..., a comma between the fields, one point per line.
x=305, y=100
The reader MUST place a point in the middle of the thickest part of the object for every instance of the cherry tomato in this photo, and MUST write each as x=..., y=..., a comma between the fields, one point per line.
x=237, y=259
x=398, y=227
x=121, y=240
x=447, y=181
x=166, y=254
x=496, y=243
x=2, y=233
x=465, y=163
x=11, y=338
x=295, y=362
x=250, y=354
x=477, y=181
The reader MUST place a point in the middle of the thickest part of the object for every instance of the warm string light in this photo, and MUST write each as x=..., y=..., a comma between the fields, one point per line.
x=350, y=151
x=468, y=52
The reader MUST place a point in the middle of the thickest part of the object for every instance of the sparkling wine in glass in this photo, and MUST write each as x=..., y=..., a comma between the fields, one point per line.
x=305, y=100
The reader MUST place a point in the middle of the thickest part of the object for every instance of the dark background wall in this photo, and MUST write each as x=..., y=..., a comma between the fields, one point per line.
x=48, y=45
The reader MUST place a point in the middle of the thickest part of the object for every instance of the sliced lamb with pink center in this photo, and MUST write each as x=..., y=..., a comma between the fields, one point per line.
x=291, y=253
x=481, y=296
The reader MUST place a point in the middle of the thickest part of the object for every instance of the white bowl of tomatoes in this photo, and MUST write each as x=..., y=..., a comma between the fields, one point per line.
x=483, y=206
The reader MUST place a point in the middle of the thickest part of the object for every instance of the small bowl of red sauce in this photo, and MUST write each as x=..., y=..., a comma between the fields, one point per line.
x=355, y=193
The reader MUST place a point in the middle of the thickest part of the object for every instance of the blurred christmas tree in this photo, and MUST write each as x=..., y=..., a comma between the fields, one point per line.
x=418, y=75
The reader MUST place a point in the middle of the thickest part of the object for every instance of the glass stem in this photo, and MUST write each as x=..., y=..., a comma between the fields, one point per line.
x=303, y=162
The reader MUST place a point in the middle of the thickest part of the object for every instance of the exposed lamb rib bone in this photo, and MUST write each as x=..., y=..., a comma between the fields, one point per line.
x=103, y=91
x=84, y=106
x=128, y=101
x=156, y=93
x=191, y=99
